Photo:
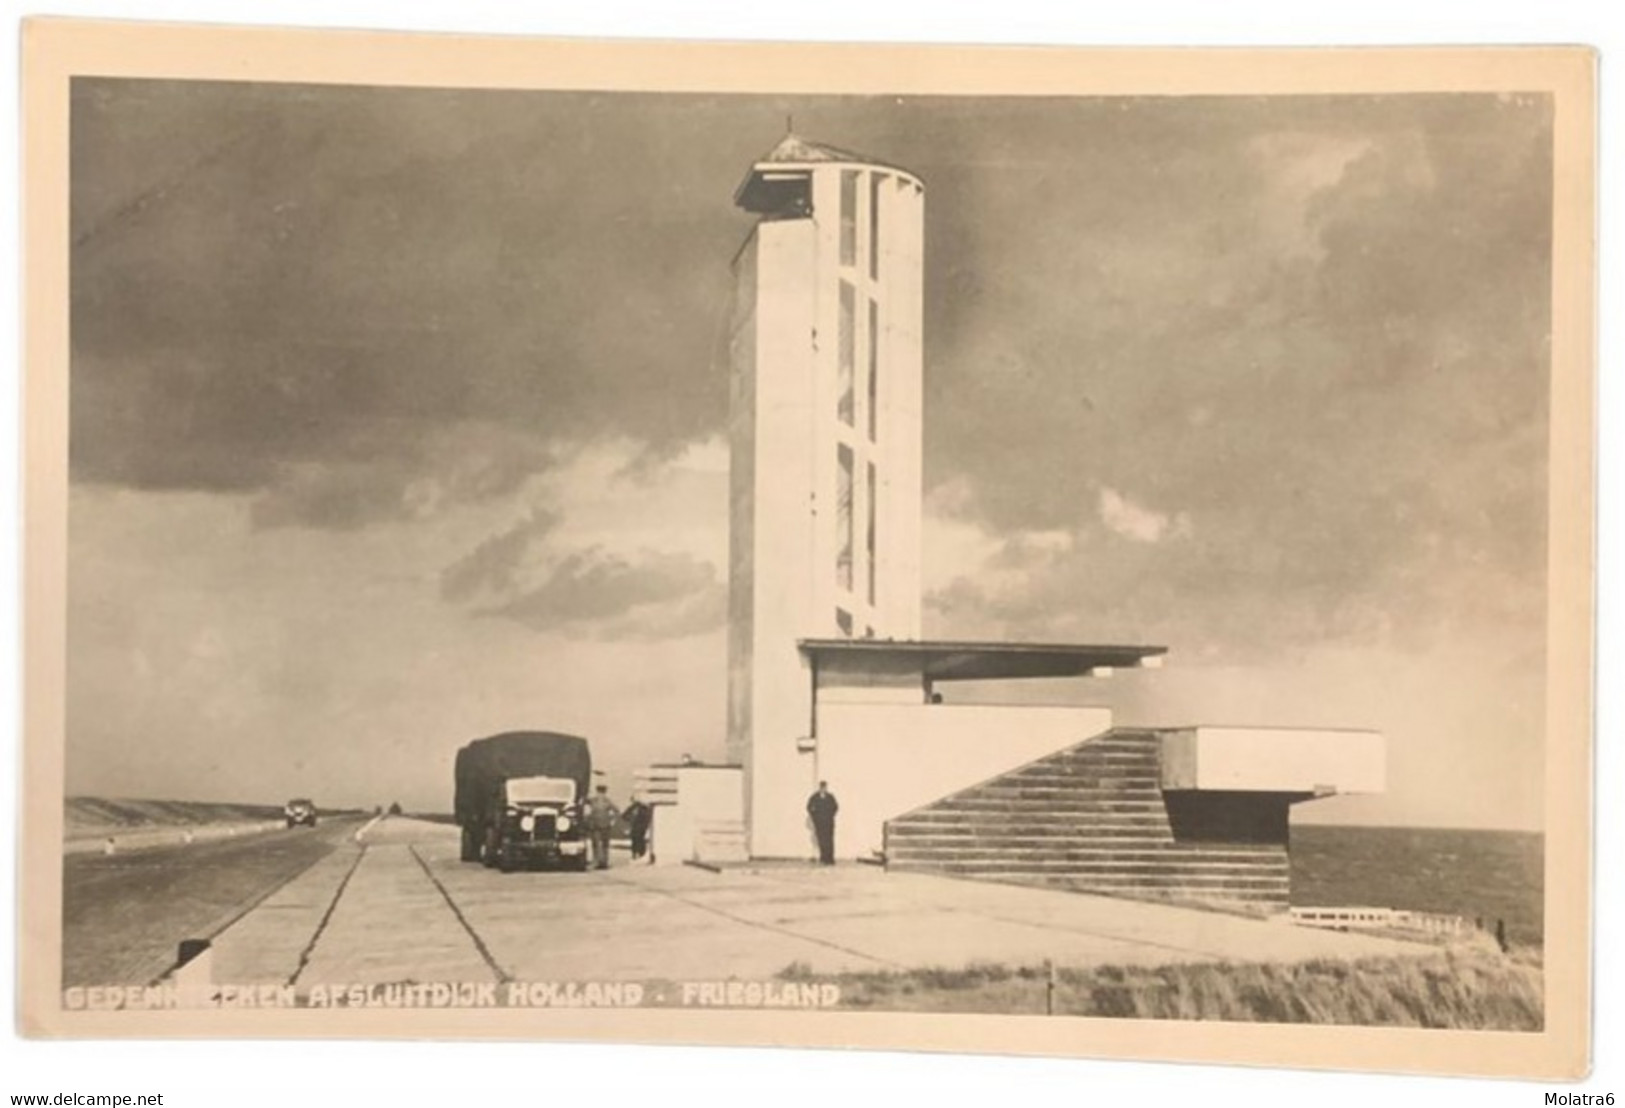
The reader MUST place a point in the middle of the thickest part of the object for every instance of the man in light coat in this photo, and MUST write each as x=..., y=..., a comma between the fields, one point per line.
x=601, y=817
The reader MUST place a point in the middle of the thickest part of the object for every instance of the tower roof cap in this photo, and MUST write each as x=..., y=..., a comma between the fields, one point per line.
x=795, y=152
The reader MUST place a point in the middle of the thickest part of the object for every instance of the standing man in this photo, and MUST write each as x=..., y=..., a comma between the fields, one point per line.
x=601, y=816
x=638, y=817
x=821, y=808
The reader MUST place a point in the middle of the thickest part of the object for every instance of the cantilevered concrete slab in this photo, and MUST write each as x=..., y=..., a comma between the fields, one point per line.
x=1302, y=761
x=948, y=660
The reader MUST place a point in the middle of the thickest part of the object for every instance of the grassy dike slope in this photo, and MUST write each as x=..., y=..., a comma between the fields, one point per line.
x=1458, y=987
x=92, y=815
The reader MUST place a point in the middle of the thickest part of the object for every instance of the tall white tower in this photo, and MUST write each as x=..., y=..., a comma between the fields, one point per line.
x=825, y=435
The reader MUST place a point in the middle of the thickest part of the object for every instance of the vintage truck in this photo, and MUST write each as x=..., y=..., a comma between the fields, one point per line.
x=518, y=800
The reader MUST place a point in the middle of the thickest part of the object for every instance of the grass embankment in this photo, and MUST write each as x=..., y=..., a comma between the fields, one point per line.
x=90, y=814
x=1465, y=988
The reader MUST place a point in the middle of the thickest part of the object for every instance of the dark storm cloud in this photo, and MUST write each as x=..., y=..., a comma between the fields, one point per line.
x=1144, y=285
x=278, y=289
x=263, y=277
x=1348, y=409
x=267, y=279
x=1311, y=330
x=650, y=595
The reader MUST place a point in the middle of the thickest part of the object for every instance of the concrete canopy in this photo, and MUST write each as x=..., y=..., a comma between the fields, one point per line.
x=980, y=661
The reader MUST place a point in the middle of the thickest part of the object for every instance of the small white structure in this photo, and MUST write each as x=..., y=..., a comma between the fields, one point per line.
x=699, y=813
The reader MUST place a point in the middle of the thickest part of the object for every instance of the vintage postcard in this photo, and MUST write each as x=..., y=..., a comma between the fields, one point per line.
x=1035, y=551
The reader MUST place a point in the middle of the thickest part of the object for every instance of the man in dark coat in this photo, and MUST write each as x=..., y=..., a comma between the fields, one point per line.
x=821, y=808
x=638, y=816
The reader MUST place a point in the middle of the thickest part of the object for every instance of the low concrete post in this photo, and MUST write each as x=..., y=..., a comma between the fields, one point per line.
x=194, y=965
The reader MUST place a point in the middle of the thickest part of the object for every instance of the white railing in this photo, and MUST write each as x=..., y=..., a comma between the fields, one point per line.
x=1398, y=919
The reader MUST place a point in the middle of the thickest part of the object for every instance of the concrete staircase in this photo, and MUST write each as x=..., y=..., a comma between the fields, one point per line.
x=1094, y=818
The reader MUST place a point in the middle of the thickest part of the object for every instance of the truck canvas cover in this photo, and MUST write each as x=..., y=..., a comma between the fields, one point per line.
x=485, y=762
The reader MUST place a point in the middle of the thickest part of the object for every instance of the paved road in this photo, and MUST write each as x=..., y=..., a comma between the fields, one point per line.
x=123, y=915
x=400, y=908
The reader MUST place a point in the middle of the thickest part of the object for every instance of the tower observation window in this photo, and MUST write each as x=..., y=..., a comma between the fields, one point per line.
x=846, y=339
x=849, y=217
x=778, y=195
x=874, y=370
x=843, y=517
x=869, y=534
x=874, y=224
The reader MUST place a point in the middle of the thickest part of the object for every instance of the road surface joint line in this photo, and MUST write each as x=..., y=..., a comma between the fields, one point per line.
x=759, y=925
x=1074, y=929
x=237, y=918
x=503, y=976
x=979, y=913
x=1043, y=925
x=321, y=926
x=1095, y=933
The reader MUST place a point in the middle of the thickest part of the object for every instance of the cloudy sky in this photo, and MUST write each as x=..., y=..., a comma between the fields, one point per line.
x=397, y=415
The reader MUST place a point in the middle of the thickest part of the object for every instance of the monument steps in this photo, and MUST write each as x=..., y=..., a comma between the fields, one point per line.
x=1090, y=818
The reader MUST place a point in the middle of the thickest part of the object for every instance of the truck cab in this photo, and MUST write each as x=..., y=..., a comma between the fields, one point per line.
x=535, y=821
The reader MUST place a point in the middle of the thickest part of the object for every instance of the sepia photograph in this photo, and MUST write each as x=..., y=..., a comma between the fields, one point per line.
x=710, y=549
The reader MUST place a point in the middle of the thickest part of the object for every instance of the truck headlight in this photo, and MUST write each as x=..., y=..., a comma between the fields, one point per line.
x=527, y=822
x=563, y=823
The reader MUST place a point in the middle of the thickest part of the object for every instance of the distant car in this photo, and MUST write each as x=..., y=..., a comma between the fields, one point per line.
x=300, y=812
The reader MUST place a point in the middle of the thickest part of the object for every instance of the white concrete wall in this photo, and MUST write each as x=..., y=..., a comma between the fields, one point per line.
x=710, y=792
x=784, y=432
x=871, y=679
x=882, y=760
x=741, y=500
x=896, y=451
x=1274, y=759
x=816, y=435
x=899, y=448
x=770, y=701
